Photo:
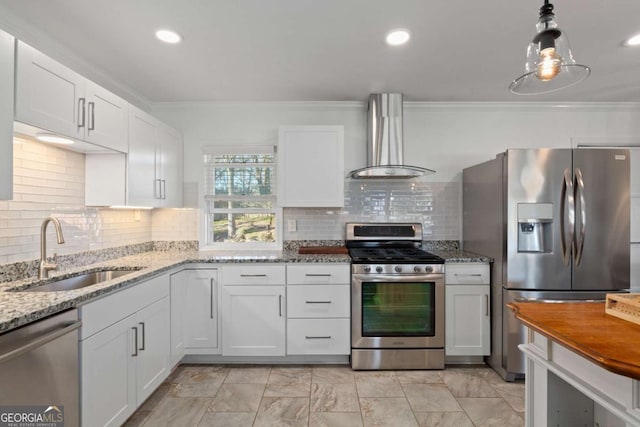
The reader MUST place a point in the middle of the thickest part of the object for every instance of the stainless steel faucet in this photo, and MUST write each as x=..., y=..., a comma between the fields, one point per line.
x=43, y=270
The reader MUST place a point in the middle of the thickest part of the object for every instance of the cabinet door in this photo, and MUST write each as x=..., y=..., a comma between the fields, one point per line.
x=311, y=166
x=142, y=184
x=253, y=320
x=7, y=61
x=201, y=309
x=152, y=362
x=178, y=313
x=107, y=118
x=169, y=166
x=467, y=320
x=48, y=94
x=108, y=375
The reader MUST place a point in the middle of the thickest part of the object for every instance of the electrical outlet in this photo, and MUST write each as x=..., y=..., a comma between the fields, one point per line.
x=292, y=225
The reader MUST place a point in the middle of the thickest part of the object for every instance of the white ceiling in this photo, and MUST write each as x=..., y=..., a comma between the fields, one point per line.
x=333, y=50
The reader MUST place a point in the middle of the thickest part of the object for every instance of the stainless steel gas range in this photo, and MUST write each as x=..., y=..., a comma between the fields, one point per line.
x=397, y=298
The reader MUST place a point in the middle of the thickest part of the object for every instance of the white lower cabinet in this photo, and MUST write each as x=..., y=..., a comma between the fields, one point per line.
x=318, y=336
x=253, y=320
x=125, y=349
x=318, y=309
x=468, y=317
x=194, y=312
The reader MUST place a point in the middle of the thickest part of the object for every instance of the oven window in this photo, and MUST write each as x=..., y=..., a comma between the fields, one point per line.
x=398, y=309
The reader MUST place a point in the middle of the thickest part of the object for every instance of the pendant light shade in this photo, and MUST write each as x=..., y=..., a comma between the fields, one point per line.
x=550, y=65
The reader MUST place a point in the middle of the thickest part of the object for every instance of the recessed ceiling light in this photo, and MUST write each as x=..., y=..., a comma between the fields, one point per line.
x=397, y=37
x=168, y=36
x=633, y=41
x=53, y=139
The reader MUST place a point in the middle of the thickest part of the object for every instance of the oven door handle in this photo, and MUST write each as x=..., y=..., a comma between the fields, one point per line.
x=398, y=278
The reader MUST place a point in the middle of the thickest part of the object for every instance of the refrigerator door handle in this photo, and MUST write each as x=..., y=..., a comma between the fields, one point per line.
x=579, y=241
x=567, y=202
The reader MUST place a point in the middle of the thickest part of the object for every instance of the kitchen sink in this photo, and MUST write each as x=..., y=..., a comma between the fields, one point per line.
x=81, y=280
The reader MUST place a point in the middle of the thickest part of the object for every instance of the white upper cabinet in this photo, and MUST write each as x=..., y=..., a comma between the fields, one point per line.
x=154, y=162
x=7, y=59
x=107, y=118
x=143, y=188
x=311, y=166
x=169, y=166
x=53, y=97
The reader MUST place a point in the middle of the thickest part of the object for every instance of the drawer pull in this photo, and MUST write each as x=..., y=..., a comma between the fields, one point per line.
x=253, y=275
x=323, y=337
x=318, y=302
x=318, y=275
x=467, y=275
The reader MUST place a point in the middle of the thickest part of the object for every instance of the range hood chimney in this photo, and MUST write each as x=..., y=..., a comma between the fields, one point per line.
x=384, y=141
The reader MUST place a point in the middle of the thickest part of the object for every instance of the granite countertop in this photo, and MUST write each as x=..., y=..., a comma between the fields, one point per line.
x=19, y=308
x=455, y=256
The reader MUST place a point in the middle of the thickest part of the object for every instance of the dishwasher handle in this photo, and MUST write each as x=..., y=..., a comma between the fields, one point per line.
x=40, y=341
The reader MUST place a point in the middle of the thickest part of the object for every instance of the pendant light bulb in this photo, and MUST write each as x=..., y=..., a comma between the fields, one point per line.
x=550, y=65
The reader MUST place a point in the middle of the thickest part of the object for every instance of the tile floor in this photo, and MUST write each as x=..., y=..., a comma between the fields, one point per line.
x=295, y=395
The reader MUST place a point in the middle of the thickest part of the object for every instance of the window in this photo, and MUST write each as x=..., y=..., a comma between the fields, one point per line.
x=239, y=197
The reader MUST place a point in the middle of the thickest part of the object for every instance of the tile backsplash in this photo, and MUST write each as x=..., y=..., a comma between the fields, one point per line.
x=49, y=181
x=435, y=205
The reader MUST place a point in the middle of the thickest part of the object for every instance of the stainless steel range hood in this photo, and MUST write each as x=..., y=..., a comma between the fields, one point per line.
x=384, y=149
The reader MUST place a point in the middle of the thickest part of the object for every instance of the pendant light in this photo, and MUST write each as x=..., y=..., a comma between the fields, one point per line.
x=550, y=65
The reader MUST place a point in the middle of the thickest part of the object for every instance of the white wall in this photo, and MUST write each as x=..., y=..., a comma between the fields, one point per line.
x=446, y=137
x=450, y=137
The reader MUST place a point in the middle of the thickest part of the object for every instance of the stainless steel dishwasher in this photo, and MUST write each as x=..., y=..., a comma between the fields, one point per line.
x=39, y=367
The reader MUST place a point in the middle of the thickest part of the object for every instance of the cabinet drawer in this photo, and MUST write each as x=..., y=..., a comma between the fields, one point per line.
x=318, y=273
x=253, y=274
x=98, y=315
x=318, y=336
x=318, y=301
x=466, y=274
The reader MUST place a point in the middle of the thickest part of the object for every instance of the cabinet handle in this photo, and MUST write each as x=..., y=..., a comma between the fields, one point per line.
x=163, y=192
x=280, y=305
x=142, y=332
x=212, y=297
x=135, y=338
x=325, y=337
x=486, y=305
x=81, y=112
x=157, y=189
x=92, y=118
x=253, y=275
x=318, y=302
x=467, y=275
x=318, y=275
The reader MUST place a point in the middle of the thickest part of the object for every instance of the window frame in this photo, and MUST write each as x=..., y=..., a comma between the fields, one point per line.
x=247, y=149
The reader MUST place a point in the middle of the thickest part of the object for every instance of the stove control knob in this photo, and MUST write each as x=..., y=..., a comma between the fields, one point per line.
x=379, y=269
x=417, y=269
x=398, y=269
x=428, y=269
x=367, y=269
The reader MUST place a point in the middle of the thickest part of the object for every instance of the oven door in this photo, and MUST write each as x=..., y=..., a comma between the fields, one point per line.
x=397, y=311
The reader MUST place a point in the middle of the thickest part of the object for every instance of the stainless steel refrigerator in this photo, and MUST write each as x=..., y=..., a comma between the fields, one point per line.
x=556, y=223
